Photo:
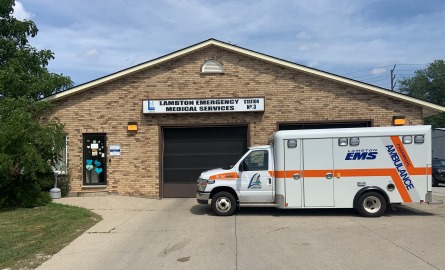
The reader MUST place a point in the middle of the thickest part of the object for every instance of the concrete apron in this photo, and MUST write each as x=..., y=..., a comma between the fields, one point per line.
x=138, y=233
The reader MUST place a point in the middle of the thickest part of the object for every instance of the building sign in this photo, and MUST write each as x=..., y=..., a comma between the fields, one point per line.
x=115, y=150
x=207, y=105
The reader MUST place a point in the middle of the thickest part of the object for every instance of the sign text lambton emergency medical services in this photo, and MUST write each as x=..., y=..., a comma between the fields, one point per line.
x=203, y=105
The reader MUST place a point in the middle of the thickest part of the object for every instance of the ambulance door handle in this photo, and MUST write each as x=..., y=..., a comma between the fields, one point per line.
x=329, y=175
x=297, y=176
x=270, y=181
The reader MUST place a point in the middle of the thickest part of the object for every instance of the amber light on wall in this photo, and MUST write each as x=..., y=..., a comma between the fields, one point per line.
x=398, y=120
x=132, y=126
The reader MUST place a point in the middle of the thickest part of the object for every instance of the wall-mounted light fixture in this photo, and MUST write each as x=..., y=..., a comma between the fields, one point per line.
x=398, y=120
x=132, y=126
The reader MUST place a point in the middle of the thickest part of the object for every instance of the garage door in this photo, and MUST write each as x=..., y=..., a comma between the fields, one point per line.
x=189, y=151
x=287, y=126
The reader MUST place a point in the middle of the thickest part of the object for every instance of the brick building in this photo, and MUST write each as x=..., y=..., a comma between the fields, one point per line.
x=200, y=108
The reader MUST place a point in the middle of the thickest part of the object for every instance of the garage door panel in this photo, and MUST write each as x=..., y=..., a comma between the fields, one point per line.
x=189, y=151
x=201, y=160
x=354, y=124
x=203, y=147
x=170, y=175
x=204, y=133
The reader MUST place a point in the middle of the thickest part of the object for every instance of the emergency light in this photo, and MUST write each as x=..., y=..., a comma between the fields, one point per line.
x=398, y=120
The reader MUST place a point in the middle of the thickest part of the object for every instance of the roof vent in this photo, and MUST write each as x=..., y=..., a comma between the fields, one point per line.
x=212, y=66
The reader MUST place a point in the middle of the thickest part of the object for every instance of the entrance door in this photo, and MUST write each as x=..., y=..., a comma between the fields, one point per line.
x=256, y=182
x=292, y=173
x=318, y=169
x=94, y=159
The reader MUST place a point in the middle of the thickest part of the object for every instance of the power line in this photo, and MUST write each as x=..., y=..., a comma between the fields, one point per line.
x=371, y=75
x=377, y=80
x=377, y=77
x=364, y=70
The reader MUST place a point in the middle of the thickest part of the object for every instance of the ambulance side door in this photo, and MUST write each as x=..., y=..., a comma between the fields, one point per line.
x=257, y=184
x=292, y=173
x=318, y=172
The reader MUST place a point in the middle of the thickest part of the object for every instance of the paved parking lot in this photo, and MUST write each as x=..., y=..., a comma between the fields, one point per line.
x=139, y=233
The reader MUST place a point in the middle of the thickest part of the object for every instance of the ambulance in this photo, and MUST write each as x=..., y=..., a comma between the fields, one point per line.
x=367, y=169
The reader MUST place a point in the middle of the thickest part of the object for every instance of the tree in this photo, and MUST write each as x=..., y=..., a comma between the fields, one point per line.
x=428, y=84
x=26, y=145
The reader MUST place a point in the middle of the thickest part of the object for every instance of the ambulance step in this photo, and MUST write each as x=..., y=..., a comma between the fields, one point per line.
x=253, y=204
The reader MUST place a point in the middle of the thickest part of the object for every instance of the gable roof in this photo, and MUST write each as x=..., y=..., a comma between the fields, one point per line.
x=428, y=109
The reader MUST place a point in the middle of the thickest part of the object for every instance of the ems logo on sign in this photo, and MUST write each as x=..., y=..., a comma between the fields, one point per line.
x=151, y=105
x=361, y=154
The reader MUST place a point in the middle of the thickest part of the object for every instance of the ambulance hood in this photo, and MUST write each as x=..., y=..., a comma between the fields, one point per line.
x=207, y=174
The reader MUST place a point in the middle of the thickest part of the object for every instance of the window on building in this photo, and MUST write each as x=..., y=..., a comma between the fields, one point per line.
x=212, y=66
x=61, y=161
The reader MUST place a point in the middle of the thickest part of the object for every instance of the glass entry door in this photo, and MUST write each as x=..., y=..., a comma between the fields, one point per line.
x=94, y=159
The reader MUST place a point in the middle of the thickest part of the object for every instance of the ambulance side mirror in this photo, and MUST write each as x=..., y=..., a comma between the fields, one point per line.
x=241, y=167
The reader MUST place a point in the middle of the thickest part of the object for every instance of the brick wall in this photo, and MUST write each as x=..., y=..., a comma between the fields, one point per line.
x=290, y=96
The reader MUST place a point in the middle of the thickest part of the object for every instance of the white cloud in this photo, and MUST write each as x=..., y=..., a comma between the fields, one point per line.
x=303, y=48
x=20, y=13
x=313, y=63
x=91, y=52
x=378, y=70
x=92, y=37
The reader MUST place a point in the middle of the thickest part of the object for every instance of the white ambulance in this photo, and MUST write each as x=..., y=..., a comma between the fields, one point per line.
x=362, y=168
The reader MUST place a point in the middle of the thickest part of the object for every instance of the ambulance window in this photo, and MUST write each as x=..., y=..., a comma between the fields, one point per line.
x=354, y=141
x=256, y=161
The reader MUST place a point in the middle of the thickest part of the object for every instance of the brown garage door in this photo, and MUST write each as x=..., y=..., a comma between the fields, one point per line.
x=189, y=151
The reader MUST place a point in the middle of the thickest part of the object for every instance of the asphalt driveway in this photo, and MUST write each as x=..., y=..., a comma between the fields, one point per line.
x=138, y=233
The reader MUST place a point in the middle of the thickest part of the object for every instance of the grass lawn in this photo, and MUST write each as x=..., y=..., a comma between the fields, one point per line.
x=28, y=237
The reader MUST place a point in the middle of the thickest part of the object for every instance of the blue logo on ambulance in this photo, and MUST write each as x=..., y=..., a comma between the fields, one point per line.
x=361, y=154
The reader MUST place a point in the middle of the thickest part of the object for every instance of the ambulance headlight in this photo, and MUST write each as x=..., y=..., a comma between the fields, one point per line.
x=407, y=139
x=419, y=139
x=202, y=184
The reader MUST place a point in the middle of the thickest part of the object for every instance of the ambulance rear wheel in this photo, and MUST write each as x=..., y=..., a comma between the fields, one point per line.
x=371, y=204
x=223, y=204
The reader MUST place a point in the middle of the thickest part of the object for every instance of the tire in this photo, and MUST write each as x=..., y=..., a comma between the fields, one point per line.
x=223, y=204
x=371, y=204
x=435, y=182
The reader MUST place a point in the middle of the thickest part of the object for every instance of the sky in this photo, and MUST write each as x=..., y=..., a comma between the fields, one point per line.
x=359, y=39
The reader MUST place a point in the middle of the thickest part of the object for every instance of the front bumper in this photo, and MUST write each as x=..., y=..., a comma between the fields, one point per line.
x=202, y=197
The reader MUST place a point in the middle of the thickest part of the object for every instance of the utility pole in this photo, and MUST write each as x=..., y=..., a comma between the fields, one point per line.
x=393, y=84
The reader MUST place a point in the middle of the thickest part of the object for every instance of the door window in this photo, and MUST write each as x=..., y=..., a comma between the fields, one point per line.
x=256, y=161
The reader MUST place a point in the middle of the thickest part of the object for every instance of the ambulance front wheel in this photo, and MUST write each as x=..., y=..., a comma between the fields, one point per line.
x=223, y=204
x=371, y=204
